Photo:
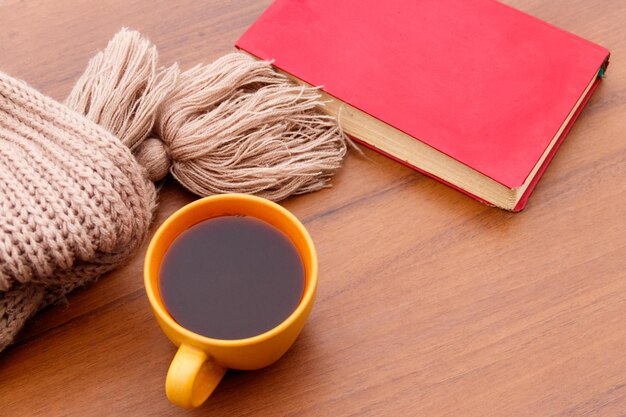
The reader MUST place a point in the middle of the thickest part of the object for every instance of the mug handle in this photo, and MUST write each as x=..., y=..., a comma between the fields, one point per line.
x=192, y=377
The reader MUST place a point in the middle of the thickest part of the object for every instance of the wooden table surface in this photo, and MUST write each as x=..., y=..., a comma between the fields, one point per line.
x=429, y=303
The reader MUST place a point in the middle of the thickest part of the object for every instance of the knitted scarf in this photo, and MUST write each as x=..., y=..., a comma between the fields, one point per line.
x=77, y=191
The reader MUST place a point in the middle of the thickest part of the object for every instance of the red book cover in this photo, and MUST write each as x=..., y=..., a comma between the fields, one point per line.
x=477, y=80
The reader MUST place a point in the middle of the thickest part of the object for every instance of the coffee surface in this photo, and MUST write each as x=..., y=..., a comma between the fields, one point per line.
x=231, y=277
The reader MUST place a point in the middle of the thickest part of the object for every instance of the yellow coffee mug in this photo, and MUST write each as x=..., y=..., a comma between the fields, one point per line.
x=201, y=362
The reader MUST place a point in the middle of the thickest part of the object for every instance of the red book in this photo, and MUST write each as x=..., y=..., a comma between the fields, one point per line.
x=471, y=92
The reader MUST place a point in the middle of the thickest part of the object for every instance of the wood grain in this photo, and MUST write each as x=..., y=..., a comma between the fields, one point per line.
x=429, y=303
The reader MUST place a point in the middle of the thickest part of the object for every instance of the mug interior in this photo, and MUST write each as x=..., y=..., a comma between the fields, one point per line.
x=224, y=205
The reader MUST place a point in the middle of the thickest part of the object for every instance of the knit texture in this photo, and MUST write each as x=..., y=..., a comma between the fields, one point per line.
x=74, y=202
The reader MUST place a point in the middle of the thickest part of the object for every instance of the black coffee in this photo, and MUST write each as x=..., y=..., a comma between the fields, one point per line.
x=231, y=277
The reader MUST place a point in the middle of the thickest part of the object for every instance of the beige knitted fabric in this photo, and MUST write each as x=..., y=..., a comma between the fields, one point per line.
x=75, y=202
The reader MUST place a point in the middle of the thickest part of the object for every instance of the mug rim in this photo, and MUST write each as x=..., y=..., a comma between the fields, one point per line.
x=154, y=296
